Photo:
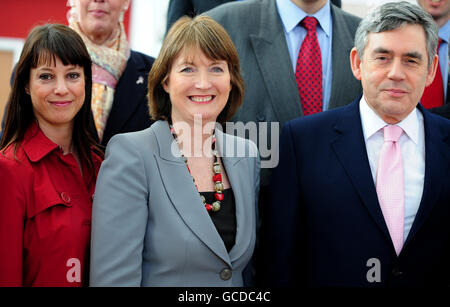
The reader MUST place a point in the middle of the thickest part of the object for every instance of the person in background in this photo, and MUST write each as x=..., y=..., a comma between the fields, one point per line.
x=48, y=163
x=178, y=199
x=180, y=8
x=119, y=74
x=361, y=195
x=436, y=95
x=273, y=45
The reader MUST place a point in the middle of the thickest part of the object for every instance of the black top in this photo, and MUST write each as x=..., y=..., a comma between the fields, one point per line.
x=225, y=218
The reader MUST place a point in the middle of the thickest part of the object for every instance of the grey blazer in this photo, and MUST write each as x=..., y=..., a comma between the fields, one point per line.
x=149, y=225
x=271, y=93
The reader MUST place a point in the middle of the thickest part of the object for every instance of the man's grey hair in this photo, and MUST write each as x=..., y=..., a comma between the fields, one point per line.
x=393, y=15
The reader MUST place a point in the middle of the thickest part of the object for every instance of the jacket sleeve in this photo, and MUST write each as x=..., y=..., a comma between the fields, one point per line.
x=119, y=217
x=12, y=217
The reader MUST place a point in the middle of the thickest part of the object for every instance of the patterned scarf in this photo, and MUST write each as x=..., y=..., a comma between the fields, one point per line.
x=108, y=63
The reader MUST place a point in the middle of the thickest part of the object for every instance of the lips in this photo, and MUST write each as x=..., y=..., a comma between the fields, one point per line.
x=97, y=12
x=62, y=103
x=202, y=99
x=394, y=92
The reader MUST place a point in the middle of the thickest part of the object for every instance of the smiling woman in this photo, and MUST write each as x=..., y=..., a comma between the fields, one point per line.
x=49, y=163
x=152, y=189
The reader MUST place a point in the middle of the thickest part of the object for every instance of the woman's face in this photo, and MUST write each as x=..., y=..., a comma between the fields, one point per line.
x=98, y=19
x=57, y=93
x=198, y=86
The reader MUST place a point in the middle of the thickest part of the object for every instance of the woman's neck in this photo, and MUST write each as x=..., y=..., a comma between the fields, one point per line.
x=61, y=135
x=101, y=38
x=194, y=140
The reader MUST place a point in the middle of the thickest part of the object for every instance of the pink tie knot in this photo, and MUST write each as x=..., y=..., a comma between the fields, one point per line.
x=392, y=133
x=310, y=23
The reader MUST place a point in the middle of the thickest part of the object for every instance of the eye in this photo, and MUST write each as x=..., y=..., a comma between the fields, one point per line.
x=187, y=69
x=73, y=75
x=216, y=69
x=45, y=77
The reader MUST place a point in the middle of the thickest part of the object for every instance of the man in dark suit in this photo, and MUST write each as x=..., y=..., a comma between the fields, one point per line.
x=440, y=11
x=361, y=196
x=268, y=37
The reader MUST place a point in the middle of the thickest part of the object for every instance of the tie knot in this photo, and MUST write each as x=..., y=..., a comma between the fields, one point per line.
x=392, y=133
x=310, y=23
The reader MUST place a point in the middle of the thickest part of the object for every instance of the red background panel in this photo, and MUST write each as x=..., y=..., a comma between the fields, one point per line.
x=18, y=17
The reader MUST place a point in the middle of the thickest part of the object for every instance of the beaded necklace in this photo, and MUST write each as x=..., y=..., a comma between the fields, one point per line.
x=217, y=176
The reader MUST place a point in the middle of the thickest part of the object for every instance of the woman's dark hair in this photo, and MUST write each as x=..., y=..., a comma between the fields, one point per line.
x=44, y=44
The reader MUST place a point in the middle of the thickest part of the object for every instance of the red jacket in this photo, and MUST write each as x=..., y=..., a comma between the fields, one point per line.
x=45, y=215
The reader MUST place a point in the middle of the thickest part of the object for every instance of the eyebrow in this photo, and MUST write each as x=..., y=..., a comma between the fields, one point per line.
x=412, y=54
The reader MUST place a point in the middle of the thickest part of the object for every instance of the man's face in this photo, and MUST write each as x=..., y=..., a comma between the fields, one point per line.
x=439, y=9
x=394, y=71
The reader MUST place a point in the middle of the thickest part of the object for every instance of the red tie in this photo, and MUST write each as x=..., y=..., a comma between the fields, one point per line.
x=433, y=96
x=308, y=71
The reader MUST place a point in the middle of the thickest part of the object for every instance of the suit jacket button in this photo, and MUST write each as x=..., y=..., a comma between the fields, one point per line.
x=396, y=272
x=225, y=274
x=65, y=197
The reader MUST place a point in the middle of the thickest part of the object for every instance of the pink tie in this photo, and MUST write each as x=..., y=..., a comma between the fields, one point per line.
x=390, y=185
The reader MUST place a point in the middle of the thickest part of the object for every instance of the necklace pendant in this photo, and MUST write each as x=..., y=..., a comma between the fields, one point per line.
x=216, y=206
x=216, y=168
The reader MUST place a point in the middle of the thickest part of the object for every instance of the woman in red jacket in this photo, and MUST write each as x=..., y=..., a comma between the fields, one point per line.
x=48, y=164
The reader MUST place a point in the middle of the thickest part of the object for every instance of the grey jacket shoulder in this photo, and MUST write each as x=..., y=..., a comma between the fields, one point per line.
x=244, y=11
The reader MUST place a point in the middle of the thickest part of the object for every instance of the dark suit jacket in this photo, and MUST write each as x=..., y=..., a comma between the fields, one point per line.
x=445, y=109
x=324, y=222
x=179, y=8
x=271, y=93
x=130, y=107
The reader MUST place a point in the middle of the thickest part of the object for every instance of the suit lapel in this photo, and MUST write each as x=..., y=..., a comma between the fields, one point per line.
x=278, y=76
x=129, y=93
x=242, y=191
x=183, y=193
x=436, y=167
x=349, y=147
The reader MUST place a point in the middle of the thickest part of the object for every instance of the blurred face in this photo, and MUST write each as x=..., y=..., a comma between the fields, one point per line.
x=57, y=93
x=99, y=18
x=394, y=71
x=197, y=85
x=439, y=9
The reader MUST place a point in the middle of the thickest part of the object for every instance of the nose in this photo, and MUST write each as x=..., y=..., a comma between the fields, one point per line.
x=396, y=70
x=61, y=87
x=203, y=81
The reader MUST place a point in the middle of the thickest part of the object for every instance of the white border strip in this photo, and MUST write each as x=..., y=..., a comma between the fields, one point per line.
x=13, y=45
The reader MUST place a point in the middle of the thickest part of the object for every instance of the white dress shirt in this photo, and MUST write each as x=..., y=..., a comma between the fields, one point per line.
x=412, y=144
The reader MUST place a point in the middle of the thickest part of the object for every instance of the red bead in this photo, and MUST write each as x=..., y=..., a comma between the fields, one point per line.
x=218, y=196
x=208, y=207
x=217, y=177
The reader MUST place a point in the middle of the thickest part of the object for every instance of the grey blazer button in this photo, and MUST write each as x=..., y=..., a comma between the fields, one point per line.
x=225, y=274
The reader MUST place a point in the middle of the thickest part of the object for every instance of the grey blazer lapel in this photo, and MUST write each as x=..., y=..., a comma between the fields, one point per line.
x=279, y=79
x=242, y=190
x=183, y=193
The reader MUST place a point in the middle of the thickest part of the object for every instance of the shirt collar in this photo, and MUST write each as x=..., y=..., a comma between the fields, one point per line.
x=372, y=123
x=444, y=32
x=291, y=15
x=35, y=144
